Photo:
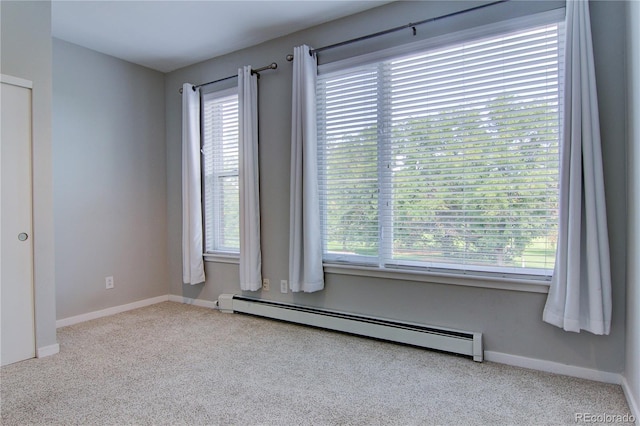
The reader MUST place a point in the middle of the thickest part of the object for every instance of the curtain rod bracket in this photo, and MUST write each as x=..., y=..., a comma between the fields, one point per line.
x=414, y=30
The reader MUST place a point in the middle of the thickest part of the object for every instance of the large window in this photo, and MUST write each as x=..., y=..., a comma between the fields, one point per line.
x=220, y=169
x=446, y=157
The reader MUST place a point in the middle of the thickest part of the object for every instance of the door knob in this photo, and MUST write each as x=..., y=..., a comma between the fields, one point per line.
x=23, y=236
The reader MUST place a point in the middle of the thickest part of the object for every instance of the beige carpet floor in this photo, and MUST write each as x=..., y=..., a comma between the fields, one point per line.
x=175, y=364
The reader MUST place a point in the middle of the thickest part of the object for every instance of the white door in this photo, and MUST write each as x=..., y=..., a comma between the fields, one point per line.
x=17, y=338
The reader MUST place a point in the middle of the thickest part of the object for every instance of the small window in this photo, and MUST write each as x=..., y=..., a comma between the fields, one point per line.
x=220, y=171
x=445, y=158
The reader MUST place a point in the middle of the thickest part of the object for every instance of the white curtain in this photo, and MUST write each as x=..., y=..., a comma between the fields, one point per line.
x=580, y=293
x=192, y=262
x=305, y=243
x=250, y=254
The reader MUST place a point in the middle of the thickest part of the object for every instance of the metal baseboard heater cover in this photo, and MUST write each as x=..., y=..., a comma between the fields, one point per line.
x=443, y=339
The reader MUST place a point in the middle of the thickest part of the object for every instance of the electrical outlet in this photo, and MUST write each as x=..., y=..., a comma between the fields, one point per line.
x=109, y=282
x=283, y=286
x=266, y=284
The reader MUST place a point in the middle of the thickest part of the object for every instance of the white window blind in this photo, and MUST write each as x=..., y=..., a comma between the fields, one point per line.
x=220, y=168
x=445, y=158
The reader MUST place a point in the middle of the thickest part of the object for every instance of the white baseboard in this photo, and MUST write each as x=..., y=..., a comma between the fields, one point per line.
x=110, y=311
x=195, y=302
x=569, y=370
x=553, y=367
x=632, y=400
x=47, y=350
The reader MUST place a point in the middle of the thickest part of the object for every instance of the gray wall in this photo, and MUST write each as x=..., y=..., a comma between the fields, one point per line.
x=109, y=180
x=632, y=370
x=26, y=53
x=510, y=320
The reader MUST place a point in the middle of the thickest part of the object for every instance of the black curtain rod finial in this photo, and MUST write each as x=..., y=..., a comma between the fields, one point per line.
x=290, y=56
x=271, y=66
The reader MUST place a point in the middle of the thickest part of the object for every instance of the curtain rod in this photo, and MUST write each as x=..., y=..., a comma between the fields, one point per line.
x=411, y=25
x=271, y=66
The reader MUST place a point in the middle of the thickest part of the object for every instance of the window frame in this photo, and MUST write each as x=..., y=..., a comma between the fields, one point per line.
x=221, y=255
x=520, y=279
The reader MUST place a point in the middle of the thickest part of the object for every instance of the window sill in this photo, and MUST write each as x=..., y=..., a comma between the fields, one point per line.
x=221, y=258
x=499, y=283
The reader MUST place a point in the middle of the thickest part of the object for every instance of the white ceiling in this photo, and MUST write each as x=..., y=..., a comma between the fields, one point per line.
x=167, y=35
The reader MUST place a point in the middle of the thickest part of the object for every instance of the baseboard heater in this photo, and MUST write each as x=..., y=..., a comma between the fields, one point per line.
x=448, y=340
